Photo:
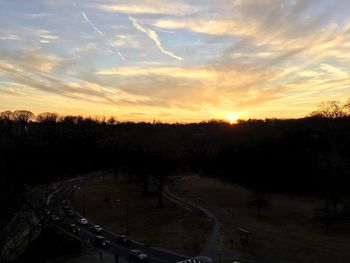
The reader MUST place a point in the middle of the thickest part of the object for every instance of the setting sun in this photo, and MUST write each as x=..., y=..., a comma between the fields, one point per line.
x=232, y=118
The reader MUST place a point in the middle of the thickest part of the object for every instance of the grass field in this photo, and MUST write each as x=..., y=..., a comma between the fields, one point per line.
x=284, y=233
x=171, y=227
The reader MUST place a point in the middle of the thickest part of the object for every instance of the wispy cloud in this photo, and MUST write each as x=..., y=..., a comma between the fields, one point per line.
x=192, y=73
x=92, y=25
x=46, y=36
x=102, y=35
x=153, y=35
x=10, y=37
x=174, y=7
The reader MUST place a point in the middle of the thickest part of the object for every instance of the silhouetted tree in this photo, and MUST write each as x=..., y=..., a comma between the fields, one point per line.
x=22, y=117
x=6, y=115
x=47, y=117
x=332, y=115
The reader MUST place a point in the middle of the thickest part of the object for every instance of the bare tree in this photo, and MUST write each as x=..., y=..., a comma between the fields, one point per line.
x=47, y=117
x=332, y=112
x=112, y=120
x=23, y=116
x=6, y=115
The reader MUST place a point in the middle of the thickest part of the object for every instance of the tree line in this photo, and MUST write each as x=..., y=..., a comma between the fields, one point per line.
x=308, y=155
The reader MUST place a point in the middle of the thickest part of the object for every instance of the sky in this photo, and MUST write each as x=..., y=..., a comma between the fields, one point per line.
x=174, y=61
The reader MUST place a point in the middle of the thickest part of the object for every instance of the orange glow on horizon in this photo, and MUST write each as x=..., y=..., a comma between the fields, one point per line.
x=232, y=118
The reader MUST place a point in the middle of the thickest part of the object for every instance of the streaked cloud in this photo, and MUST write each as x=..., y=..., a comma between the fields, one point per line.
x=102, y=35
x=195, y=73
x=10, y=37
x=126, y=41
x=46, y=36
x=134, y=7
x=153, y=35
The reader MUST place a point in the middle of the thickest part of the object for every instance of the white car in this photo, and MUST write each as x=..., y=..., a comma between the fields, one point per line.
x=96, y=229
x=83, y=221
x=137, y=255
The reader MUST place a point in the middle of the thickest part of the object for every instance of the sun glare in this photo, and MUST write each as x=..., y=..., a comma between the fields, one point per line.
x=232, y=118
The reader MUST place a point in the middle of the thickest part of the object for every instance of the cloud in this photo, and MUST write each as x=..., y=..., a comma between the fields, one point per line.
x=46, y=36
x=92, y=25
x=87, y=48
x=137, y=7
x=191, y=73
x=192, y=88
x=34, y=80
x=126, y=41
x=153, y=35
x=102, y=35
x=30, y=58
x=10, y=37
x=210, y=26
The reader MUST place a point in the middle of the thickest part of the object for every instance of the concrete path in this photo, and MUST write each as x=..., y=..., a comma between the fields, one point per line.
x=213, y=248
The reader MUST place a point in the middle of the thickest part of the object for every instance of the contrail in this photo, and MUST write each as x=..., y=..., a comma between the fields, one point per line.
x=153, y=35
x=87, y=20
x=92, y=25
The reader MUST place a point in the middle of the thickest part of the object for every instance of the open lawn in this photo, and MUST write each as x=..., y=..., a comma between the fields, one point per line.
x=285, y=231
x=170, y=227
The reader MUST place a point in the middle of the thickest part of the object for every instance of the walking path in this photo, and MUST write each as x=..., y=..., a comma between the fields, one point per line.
x=213, y=248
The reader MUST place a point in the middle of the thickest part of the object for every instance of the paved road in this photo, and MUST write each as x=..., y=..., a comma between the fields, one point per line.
x=213, y=248
x=156, y=254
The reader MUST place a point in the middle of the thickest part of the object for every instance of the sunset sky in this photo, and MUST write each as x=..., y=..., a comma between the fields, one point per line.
x=174, y=60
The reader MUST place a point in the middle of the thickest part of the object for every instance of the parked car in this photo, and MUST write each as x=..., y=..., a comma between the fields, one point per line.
x=83, y=221
x=55, y=219
x=96, y=229
x=69, y=213
x=138, y=255
x=102, y=242
x=74, y=229
x=123, y=240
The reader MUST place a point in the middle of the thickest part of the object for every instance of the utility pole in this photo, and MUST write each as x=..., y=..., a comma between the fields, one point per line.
x=84, y=204
x=127, y=217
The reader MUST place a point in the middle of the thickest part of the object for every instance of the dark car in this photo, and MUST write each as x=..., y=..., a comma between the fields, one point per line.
x=123, y=240
x=74, y=229
x=55, y=219
x=102, y=242
x=138, y=255
x=69, y=213
x=96, y=229
x=83, y=221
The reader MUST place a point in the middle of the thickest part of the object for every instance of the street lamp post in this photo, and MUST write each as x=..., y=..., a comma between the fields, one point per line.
x=84, y=202
x=127, y=217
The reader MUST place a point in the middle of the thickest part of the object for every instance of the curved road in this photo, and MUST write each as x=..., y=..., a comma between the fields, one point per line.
x=213, y=248
x=155, y=254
